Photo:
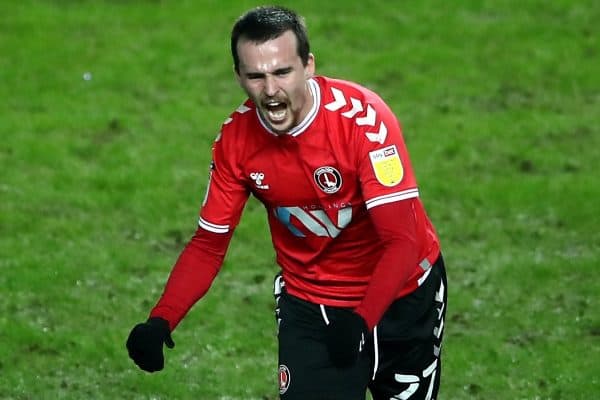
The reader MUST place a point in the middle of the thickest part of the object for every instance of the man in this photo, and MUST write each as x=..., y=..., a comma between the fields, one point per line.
x=362, y=291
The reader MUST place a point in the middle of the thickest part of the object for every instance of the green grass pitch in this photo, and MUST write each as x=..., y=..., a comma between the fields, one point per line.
x=107, y=113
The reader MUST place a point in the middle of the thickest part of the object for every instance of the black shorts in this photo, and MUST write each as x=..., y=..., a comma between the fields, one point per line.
x=401, y=359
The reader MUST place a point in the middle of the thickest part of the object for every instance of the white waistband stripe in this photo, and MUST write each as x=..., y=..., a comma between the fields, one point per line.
x=324, y=314
x=376, y=352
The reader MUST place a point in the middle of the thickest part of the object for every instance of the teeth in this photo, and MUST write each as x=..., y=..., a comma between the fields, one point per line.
x=276, y=115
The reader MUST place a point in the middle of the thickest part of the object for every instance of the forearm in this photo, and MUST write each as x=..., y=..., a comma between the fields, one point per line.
x=396, y=227
x=192, y=275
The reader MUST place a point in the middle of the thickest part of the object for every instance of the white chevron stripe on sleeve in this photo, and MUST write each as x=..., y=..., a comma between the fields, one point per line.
x=356, y=108
x=379, y=136
x=243, y=108
x=338, y=102
x=368, y=119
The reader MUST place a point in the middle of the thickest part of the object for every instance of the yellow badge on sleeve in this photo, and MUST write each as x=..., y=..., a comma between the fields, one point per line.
x=387, y=165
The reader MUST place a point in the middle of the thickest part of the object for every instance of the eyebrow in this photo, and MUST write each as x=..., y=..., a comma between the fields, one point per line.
x=278, y=71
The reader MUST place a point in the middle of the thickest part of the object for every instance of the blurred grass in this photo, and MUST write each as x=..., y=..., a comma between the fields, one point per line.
x=101, y=180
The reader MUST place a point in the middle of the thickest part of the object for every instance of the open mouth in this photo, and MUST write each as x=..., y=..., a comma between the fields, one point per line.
x=276, y=110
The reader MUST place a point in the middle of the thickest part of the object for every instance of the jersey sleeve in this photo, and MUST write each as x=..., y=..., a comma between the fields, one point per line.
x=200, y=261
x=396, y=227
x=226, y=192
x=192, y=275
x=389, y=189
x=384, y=166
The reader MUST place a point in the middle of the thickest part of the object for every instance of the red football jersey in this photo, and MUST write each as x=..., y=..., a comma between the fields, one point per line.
x=317, y=184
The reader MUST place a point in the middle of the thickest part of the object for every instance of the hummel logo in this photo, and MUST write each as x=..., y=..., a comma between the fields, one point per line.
x=258, y=177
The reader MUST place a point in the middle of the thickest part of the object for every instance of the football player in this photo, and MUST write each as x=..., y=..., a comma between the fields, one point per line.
x=361, y=296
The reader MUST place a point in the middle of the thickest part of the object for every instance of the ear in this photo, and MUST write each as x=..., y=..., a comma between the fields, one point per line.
x=309, y=68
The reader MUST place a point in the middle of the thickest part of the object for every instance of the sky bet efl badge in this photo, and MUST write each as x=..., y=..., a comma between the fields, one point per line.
x=387, y=166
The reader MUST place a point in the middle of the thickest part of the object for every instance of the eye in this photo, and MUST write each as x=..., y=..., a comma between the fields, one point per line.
x=283, y=72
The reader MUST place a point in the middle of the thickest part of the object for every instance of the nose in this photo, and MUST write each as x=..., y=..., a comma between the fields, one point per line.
x=270, y=86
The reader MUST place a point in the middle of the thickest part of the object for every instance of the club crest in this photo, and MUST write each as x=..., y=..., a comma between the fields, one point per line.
x=284, y=379
x=328, y=179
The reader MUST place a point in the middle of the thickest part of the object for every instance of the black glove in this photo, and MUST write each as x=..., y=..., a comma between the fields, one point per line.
x=346, y=335
x=145, y=344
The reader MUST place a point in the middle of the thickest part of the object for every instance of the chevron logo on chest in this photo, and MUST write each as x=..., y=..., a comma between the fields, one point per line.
x=353, y=108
